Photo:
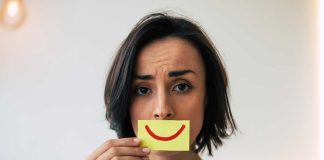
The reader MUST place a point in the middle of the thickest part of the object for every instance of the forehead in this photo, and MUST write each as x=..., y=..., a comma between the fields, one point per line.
x=169, y=53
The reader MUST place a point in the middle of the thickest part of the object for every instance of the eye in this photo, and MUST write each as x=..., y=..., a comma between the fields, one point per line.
x=182, y=87
x=142, y=90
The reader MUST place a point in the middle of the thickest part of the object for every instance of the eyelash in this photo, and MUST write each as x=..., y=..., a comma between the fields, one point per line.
x=188, y=88
x=186, y=85
x=138, y=89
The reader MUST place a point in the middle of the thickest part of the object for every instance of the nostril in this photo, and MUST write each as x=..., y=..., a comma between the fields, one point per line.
x=158, y=116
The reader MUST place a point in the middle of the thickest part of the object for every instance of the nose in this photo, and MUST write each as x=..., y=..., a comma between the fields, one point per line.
x=163, y=108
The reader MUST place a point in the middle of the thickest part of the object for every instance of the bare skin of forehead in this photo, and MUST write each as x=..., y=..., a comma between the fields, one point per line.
x=166, y=53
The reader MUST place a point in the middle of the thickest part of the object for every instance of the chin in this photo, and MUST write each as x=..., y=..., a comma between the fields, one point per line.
x=166, y=153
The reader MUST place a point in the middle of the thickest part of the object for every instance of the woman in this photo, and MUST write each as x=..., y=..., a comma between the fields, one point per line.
x=166, y=69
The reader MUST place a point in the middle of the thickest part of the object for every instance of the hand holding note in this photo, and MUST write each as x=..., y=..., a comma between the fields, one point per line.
x=124, y=148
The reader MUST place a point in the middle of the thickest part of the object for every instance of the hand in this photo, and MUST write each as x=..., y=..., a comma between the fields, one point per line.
x=120, y=149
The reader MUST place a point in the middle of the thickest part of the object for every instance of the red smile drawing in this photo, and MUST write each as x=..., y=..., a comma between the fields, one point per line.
x=149, y=131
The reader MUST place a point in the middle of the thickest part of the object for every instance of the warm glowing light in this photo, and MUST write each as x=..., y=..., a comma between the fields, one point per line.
x=12, y=9
x=12, y=13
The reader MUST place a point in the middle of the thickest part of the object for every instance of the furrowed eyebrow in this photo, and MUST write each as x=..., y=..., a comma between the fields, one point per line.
x=171, y=74
x=180, y=73
x=143, y=77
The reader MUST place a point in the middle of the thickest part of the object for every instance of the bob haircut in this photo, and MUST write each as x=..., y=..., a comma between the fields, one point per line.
x=217, y=117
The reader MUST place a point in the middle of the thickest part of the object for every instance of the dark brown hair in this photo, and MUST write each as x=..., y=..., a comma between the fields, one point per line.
x=218, y=119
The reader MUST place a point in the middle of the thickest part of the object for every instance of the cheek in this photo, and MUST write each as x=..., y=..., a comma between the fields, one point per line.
x=137, y=112
x=196, y=117
x=192, y=108
x=195, y=126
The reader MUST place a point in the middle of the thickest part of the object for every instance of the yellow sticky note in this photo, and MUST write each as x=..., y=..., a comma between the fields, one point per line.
x=166, y=135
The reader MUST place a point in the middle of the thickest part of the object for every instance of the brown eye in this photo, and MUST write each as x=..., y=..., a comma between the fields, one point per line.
x=142, y=90
x=182, y=87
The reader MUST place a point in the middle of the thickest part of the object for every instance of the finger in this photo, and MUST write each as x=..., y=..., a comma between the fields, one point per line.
x=124, y=151
x=113, y=143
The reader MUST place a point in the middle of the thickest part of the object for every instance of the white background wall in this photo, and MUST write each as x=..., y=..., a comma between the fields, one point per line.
x=53, y=70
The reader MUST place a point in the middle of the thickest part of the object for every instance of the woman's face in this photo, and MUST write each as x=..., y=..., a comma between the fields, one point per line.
x=169, y=84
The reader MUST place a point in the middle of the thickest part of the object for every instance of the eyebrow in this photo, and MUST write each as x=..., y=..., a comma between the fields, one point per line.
x=180, y=73
x=143, y=77
x=171, y=74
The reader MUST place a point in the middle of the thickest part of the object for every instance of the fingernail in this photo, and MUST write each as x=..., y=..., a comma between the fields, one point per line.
x=136, y=140
x=146, y=150
x=145, y=158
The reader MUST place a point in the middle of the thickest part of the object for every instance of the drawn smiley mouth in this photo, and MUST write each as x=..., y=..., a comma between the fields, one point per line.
x=175, y=135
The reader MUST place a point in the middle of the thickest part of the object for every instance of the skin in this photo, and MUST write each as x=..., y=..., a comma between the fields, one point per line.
x=159, y=95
